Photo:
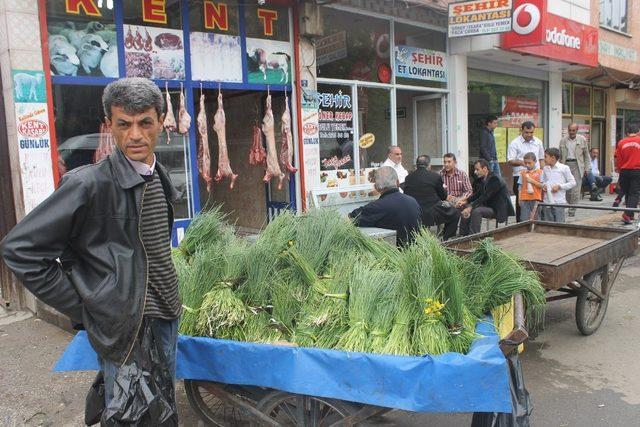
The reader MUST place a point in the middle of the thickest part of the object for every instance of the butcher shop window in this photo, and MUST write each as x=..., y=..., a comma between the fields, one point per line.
x=355, y=47
x=82, y=44
x=84, y=139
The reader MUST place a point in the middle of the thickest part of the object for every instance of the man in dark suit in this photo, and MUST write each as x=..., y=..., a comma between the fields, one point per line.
x=491, y=200
x=427, y=188
x=393, y=210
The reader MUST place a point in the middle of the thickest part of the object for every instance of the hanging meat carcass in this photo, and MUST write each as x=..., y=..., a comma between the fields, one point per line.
x=257, y=154
x=286, y=149
x=268, y=128
x=106, y=144
x=184, y=119
x=204, y=155
x=224, y=167
x=169, y=123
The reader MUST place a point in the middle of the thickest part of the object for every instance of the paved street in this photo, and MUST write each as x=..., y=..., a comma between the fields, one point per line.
x=573, y=380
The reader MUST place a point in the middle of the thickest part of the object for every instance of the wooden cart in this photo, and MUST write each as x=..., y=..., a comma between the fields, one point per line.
x=574, y=261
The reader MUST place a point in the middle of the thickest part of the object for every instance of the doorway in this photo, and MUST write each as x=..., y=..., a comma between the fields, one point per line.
x=430, y=126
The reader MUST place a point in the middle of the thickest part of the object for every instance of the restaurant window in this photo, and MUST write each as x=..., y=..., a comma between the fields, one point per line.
x=82, y=44
x=613, y=14
x=581, y=100
x=374, y=118
x=512, y=99
x=566, y=99
x=153, y=41
x=420, y=56
x=599, y=102
x=83, y=138
x=355, y=47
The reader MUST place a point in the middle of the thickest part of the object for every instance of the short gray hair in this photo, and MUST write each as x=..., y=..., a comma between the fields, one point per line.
x=386, y=179
x=134, y=95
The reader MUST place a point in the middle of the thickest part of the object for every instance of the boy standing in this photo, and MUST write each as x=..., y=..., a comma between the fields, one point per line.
x=530, y=187
x=557, y=179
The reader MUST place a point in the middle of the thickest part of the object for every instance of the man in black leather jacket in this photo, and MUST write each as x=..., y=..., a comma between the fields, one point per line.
x=101, y=218
x=427, y=188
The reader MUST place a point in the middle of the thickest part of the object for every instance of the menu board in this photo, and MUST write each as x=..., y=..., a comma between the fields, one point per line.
x=335, y=124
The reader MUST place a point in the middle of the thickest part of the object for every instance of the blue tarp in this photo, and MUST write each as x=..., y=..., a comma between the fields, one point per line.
x=452, y=382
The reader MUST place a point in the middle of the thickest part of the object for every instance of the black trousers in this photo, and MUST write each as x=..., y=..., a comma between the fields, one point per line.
x=630, y=185
x=450, y=229
x=516, y=191
x=472, y=224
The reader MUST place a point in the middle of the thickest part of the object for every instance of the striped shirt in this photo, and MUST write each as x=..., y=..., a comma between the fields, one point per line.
x=457, y=184
x=162, y=288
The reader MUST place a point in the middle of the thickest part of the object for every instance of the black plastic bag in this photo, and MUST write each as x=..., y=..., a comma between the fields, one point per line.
x=520, y=401
x=144, y=392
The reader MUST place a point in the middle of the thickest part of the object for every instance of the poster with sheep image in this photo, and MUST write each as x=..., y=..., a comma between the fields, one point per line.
x=216, y=57
x=80, y=48
x=268, y=62
x=29, y=86
x=154, y=53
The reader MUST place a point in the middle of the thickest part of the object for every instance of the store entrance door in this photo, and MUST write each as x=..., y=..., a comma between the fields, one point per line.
x=430, y=126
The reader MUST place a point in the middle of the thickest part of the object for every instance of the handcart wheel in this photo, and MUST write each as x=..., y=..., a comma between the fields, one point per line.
x=298, y=410
x=591, y=308
x=213, y=411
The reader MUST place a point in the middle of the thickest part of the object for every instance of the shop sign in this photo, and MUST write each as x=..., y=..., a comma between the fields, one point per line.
x=311, y=147
x=473, y=18
x=421, y=64
x=331, y=48
x=33, y=131
x=516, y=110
x=546, y=35
x=611, y=49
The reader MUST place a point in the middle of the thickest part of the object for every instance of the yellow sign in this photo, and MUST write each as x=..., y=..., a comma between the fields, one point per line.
x=366, y=140
x=500, y=135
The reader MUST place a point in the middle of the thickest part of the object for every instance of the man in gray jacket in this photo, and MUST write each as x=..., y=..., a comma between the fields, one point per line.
x=111, y=222
x=574, y=152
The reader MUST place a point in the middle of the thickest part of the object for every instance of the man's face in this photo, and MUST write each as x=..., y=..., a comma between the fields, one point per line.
x=573, y=131
x=529, y=164
x=136, y=135
x=492, y=124
x=481, y=171
x=449, y=164
x=527, y=133
x=549, y=160
x=595, y=153
x=396, y=155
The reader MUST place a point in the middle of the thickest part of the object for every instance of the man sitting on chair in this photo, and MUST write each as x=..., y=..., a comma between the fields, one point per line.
x=491, y=200
x=593, y=179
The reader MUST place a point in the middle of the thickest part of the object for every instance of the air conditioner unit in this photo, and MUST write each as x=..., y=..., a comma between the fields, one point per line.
x=310, y=20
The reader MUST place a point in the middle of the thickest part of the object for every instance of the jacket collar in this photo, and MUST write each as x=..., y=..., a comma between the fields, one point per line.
x=388, y=192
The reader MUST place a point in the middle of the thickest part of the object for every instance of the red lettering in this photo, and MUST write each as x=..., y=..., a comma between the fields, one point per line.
x=216, y=16
x=154, y=11
x=267, y=17
x=89, y=7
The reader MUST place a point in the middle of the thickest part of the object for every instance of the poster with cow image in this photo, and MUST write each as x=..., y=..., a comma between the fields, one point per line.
x=82, y=48
x=216, y=57
x=268, y=62
x=154, y=53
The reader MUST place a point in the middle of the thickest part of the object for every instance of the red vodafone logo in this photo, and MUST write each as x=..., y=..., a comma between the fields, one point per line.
x=526, y=18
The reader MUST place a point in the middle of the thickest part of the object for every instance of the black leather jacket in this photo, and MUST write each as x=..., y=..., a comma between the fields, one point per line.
x=92, y=221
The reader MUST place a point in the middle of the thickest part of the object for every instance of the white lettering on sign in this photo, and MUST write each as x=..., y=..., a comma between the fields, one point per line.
x=561, y=38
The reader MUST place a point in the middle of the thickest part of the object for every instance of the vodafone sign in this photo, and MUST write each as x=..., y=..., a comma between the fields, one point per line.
x=536, y=32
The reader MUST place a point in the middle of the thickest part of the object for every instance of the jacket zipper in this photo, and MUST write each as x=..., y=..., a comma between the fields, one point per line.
x=146, y=276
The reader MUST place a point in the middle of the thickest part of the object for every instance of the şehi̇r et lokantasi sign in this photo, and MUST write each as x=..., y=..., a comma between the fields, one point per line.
x=422, y=64
x=473, y=18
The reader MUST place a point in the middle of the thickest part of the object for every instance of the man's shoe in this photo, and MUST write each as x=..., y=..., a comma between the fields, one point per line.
x=626, y=219
x=595, y=197
x=616, y=202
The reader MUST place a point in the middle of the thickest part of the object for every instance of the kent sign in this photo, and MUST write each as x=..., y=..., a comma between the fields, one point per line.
x=473, y=18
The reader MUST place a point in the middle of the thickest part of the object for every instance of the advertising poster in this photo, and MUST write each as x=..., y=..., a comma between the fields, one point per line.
x=154, y=53
x=512, y=133
x=311, y=146
x=29, y=86
x=516, y=110
x=472, y=18
x=500, y=135
x=34, y=144
x=331, y=48
x=216, y=57
x=82, y=45
x=421, y=64
x=268, y=62
x=335, y=124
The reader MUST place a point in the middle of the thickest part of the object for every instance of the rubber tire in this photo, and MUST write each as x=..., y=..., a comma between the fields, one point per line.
x=582, y=304
x=270, y=401
x=200, y=408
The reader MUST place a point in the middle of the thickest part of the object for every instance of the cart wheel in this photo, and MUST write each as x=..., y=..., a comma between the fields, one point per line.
x=295, y=410
x=591, y=309
x=211, y=410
